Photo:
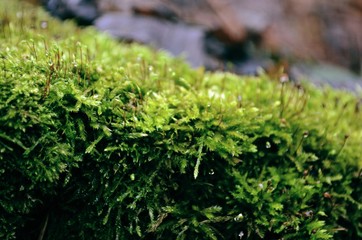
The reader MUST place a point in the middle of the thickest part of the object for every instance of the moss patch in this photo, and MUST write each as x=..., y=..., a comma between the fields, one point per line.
x=102, y=140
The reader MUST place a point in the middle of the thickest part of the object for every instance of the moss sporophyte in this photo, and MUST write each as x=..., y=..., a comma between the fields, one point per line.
x=108, y=140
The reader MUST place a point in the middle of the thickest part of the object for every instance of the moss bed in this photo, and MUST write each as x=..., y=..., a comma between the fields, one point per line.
x=105, y=140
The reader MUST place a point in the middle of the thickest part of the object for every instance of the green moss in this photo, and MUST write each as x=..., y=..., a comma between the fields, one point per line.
x=103, y=140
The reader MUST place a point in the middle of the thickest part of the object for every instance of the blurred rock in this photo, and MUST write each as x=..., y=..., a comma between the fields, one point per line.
x=84, y=11
x=176, y=38
x=323, y=73
x=159, y=11
x=328, y=31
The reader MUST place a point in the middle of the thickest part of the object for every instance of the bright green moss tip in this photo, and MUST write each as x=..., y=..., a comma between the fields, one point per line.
x=105, y=140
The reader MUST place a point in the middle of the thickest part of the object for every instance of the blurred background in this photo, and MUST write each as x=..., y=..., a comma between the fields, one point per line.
x=316, y=39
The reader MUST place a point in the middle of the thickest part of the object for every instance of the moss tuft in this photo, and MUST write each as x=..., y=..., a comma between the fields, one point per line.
x=103, y=140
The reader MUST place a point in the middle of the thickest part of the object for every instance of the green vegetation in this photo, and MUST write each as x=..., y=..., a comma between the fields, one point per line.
x=102, y=140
